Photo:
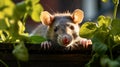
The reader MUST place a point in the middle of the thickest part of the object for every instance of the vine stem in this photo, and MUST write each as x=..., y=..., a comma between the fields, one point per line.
x=115, y=9
x=3, y=63
x=110, y=48
x=25, y=17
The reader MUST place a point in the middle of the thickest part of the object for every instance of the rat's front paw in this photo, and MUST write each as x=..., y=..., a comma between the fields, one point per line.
x=85, y=42
x=46, y=45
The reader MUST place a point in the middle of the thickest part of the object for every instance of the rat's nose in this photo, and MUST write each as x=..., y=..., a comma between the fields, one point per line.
x=66, y=39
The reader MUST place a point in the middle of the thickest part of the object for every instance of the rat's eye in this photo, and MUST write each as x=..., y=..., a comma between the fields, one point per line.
x=55, y=29
x=72, y=27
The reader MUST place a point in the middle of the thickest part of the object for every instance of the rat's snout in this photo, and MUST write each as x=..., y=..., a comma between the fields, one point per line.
x=64, y=40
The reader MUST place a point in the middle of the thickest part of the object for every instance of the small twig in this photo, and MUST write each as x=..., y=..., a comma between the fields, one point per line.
x=115, y=9
x=3, y=63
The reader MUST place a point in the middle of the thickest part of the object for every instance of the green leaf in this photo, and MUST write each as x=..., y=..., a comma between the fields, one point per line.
x=21, y=30
x=3, y=25
x=116, y=38
x=115, y=29
x=21, y=52
x=114, y=64
x=88, y=29
x=116, y=2
x=3, y=38
x=101, y=35
x=2, y=15
x=35, y=1
x=98, y=46
x=32, y=2
x=4, y=35
x=37, y=39
x=34, y=9
x=118, y=59
x=104, y=26
x=6, y=8
x=9, y=10
x=106, y=62
x=14, y=30
x=19, y=10
x=35, y=15
x=104, y=21
x=21, y=27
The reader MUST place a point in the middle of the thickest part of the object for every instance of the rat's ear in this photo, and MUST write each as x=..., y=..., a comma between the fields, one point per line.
x=46, y=18
x=77, y=16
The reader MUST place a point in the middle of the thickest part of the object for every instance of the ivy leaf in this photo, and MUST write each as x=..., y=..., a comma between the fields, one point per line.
x=101, y=35
x=2, y=36
x=32, y=2
x=21, y=27
x=106, y=62
x=115, y=29
x=6, y=8
x=88, y=29
x=21, y=31
x=117, y=38
x=13, y=30
x=3, y=24
x=21, y=52
x=2, y=15
x=10, y=6
x=98, y=46
x=19, y=10
x=35, y=15
x=114, y=64
x=104, y=21
x=34, y=9
x=104, y=26
x=116, y=2
x=35, y=1
x=16, y=30
x=37, y=39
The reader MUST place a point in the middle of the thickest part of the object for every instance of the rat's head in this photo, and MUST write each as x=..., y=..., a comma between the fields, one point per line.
x=63, y=28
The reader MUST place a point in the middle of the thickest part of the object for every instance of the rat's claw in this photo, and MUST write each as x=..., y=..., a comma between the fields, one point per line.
x=85, y=42
x=89, y=42
x=49, y=45
x=46, y=45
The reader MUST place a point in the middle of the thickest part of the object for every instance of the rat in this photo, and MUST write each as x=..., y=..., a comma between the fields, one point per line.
x=63, y=30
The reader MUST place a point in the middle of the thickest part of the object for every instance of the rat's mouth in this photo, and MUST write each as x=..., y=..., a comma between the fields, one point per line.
x=64, y=40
